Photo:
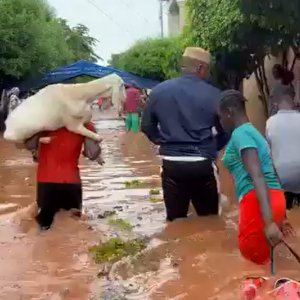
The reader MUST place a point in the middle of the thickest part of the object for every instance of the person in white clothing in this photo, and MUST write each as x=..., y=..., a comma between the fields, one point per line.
x=283, y=134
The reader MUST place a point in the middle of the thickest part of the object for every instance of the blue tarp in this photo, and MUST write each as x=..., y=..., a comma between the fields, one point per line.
x=85, y=68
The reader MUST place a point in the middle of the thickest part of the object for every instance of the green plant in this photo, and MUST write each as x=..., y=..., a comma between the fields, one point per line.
x=134, y=184
x=120, y=224
x=36, y=41
x=115, y=249
x=154, y=192
x=158, y=59
x=156, y=200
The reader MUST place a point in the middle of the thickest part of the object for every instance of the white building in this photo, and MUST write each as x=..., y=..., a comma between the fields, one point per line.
x=176, y=16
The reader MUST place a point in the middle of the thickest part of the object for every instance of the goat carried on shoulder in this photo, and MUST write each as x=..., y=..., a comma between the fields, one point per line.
x=62, y=105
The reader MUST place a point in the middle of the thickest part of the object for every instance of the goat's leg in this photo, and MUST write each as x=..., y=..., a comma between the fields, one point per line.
x=80, y=129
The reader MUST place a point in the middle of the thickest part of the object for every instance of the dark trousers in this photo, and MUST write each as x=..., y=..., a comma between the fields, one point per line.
x=52, y=197
x=291, y=200
x=183, y=182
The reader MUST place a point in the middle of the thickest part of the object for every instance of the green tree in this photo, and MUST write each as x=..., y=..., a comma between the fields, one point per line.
x=240, y=33
x=30, y=39
x=33, y=40
x=281, y=18
x=80, y=42
x=157, y=59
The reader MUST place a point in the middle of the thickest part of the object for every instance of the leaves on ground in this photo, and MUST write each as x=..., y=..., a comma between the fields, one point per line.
x=120, y=224
x=115, y=249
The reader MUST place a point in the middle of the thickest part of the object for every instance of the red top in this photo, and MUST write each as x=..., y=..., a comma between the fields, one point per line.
x=58, y=161
x=100, y=102
x=133, y=97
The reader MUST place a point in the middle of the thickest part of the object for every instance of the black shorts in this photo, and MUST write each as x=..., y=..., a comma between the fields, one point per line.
x=52, y=197
x=183, y=182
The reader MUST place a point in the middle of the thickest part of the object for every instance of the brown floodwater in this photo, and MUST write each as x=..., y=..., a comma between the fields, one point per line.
x=191, y=259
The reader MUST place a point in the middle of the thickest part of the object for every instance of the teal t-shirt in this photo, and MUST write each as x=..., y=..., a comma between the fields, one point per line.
x=245, y=137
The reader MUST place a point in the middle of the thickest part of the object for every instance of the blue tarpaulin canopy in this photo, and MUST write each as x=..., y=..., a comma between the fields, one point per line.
x=85, y=68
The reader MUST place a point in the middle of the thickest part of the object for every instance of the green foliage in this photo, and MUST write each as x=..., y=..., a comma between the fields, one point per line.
x=240, y=33
x=220, y=27
x=281, y=19
x=134, y=184
x=79, y=41
x=120, y=224
x=152, y=58
x=115, y=249
x=156, y=199
x=250, y=29
x=154, y=192
x=33, y=40
x=212, y=24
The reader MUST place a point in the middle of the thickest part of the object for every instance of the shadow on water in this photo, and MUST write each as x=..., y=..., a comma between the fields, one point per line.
x=192, y=259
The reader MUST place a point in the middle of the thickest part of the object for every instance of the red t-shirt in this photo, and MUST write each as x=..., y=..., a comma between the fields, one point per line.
x=58, y=161
x=100, y=102
x=132, y=101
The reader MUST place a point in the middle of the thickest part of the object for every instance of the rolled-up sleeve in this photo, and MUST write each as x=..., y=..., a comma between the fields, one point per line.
x=92, y=150
x=150, y=122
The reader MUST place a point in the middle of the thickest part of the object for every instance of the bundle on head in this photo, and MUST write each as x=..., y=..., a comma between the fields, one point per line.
x=61, y=105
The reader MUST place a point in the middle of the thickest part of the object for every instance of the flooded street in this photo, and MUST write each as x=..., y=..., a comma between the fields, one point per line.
x=192, y=259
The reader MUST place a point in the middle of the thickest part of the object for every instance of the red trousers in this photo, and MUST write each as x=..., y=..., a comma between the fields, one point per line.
x=252, y=242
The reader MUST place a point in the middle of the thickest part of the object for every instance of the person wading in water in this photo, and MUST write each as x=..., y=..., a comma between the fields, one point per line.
x=262, y=207
x=131, y=108
x=179, y=117
x=58, y=178
x=283, y=135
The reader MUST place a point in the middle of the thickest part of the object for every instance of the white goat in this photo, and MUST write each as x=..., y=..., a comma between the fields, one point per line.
x=62, y=105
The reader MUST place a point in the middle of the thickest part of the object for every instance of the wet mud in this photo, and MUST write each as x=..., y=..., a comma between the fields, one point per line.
x=191, y=259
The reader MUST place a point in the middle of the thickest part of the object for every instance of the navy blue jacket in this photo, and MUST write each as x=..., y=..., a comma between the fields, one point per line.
x=179, y=117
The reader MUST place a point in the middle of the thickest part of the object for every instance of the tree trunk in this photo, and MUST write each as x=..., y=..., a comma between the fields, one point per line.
x=260, y=84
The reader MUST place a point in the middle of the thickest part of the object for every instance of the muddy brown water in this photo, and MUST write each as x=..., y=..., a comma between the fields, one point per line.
x=192, y=259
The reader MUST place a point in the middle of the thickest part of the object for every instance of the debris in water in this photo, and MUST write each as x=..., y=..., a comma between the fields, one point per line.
x=118, y=207
x=106, y=214
x=156, y=200
x=154, y=192
x=134, y=184
x=120, y=224
x=115, y=249
x=104, y=271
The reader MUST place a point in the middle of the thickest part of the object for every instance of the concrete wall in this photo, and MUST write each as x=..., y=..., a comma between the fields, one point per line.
x=254, y=105
x=173, y=20
x=182, y=14
x=176, y=16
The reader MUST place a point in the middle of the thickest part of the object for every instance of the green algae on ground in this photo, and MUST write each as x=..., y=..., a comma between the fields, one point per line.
x=156, y=200
x=134, y=184
x=120, y=224
x=154, y=192
x=115, y=249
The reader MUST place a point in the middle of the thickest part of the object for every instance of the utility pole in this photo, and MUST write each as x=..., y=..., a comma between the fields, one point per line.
x=161, y=17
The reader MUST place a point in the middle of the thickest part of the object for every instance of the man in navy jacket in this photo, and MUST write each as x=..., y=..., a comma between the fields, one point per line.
x=179, y=117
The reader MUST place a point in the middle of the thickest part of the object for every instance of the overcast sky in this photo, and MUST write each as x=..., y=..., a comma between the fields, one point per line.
x=117, y=24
